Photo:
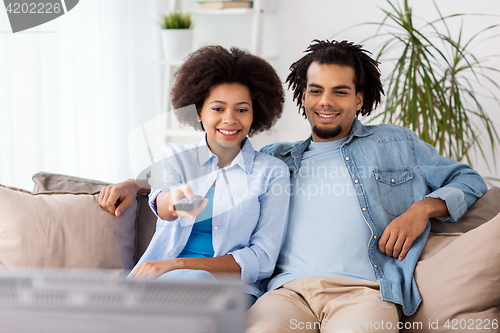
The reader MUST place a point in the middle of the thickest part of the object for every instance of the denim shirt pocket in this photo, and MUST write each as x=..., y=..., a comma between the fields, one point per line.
x=395, y=189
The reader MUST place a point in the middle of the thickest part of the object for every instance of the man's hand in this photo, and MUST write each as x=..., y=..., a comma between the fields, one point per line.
x=403, y=230
x=153, y=269
x=117, y=198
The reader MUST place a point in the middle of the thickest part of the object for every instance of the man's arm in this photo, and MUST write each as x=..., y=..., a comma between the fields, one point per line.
x=402, y=231
x=454, y=187
x=456, y=183
x=118, y=197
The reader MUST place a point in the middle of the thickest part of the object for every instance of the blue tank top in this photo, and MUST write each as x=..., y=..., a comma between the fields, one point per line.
x=199, y=244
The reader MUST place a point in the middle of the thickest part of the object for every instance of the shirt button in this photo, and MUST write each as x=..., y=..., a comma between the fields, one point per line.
x=220, y=175
x=216, y=227
x=375, y=237
x=363, y=209
x=356, y=181
x=375, y=266
x=218, y=197
x=347, y=158
x=392, y=180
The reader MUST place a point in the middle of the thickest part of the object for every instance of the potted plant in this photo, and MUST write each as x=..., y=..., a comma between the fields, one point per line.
x=437, y=83
x=177, y=35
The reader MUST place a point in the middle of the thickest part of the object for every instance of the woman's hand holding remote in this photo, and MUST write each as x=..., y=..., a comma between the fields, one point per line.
x=167, y=199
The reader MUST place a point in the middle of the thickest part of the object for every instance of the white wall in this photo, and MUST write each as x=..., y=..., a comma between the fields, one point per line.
x=129, y=34
x=297, y=22
x=72, y=89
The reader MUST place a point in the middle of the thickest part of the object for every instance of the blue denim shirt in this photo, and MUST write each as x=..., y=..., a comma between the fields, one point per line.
x=391, y=169
x=249, y=213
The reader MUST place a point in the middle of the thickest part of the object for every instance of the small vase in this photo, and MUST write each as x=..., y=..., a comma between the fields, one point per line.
x=177, y=43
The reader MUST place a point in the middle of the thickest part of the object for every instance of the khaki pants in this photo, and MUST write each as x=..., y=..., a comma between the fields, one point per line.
x=323, y=304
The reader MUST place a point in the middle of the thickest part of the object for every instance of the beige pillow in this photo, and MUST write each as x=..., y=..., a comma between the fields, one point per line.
x=45, y=181
x=459, y=281
x=146, y=219
x=61, y=229
x=483, y=210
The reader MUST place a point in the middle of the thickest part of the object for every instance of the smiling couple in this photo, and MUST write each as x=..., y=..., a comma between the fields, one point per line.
x=315, y=257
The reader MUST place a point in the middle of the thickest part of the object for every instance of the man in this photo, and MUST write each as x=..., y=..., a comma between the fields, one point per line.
x=349, y=254
x=361, y=201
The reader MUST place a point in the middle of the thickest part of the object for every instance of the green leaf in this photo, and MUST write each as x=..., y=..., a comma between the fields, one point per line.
x=436, y=82
x=176, y=20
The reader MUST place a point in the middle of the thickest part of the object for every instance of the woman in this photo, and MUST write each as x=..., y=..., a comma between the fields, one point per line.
x=243, y=216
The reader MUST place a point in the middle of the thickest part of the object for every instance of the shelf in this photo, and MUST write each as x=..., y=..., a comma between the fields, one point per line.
x=224, y=11
x=173, y=132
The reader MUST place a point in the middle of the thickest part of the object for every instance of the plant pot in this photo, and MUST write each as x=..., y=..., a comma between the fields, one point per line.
x=177, y=43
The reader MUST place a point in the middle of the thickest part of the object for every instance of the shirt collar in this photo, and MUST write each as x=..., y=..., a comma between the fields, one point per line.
x=244, y=158
x=358, y=129
x=298, y=150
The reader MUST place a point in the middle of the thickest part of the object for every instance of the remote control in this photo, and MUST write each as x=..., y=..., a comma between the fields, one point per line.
x=188, y=204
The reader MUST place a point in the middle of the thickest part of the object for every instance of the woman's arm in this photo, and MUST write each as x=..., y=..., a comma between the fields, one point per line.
x=155, y=268
x=258, y=260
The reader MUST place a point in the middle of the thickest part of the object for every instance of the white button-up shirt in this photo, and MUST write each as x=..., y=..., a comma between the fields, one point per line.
x=250, y=208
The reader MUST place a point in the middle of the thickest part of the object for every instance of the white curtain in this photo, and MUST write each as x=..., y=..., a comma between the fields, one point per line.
x=73, y=89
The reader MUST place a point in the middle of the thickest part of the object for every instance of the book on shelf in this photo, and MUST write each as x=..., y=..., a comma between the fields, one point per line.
x=224, y=4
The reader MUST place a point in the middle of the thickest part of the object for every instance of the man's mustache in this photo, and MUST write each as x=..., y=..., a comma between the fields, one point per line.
x=327, y=109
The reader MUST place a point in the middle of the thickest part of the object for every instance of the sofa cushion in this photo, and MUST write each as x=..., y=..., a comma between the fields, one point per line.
x=484, y=209
x=146, y=225
x=146, y=219
x=45, y=182
x=459, y=280
x=63, y=229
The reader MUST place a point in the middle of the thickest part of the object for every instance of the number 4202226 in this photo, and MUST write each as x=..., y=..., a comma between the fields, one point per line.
x=34, y=8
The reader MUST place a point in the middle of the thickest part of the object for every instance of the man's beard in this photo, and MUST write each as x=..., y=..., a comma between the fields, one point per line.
x=326, y=133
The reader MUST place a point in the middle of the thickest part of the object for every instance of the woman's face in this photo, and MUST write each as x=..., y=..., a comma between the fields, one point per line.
x=227, y=114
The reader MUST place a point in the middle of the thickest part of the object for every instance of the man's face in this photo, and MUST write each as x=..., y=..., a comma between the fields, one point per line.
x=330, y=101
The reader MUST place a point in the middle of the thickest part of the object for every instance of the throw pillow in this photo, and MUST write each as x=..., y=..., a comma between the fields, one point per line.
x=146, y=219
x=45, y=181
x=483, y=210
x=62, y=229
x=460, y=283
